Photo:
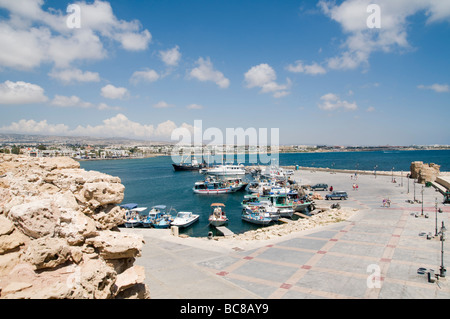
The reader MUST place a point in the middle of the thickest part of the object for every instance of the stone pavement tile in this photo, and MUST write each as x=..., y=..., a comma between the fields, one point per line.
x=196, y=255
x=266, y=271
x=358, y=249
x=419, y=257
x=346, y=263
x=306, y=243
x=294, y=294
x=407, y=272
x=261, y=290
x=219, y=263
x=373, y=229
x=343, y=285
x=382, y=239
x=394, y=290
x=326, y=234
x=291, y=256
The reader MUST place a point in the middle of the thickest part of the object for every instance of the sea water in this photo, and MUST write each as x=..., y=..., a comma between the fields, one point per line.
x=153, y=181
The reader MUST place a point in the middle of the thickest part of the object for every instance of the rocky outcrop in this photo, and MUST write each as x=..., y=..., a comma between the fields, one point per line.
x=327, y=216
x=424, y=172
x=59, y=235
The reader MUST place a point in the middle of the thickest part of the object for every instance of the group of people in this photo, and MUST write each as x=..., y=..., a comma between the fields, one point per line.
x=355, y=186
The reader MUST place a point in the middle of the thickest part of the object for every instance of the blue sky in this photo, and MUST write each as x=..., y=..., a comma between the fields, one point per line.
x=313, y=69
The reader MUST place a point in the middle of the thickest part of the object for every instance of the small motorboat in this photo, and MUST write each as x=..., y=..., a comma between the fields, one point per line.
x=163, y=222
x=218, y=216
x=185, y=219
x=155, y=213
x=256, y=215
x=133, y=217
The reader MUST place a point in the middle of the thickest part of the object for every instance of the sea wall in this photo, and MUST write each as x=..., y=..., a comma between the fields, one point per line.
x=59, y=235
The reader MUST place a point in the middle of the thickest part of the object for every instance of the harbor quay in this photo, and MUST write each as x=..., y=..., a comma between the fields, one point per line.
x=380, y=252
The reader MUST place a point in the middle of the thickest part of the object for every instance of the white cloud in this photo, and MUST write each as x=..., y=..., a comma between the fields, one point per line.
x=194, y=107
x=72, y=101
x=206, y=72
x=117, y=126
x=134, y=41
x=21, y=93
x=370, y=109
x=362, y=41
x=71, y=75
x=299, y=67
x=33, y=127
x=147, y=75
x=33, y=36
x=438, y=88
x=162, y=105
x=331, y=102
x=75, y=101
x=264, y=76
x=111, y=92
x=171, y=57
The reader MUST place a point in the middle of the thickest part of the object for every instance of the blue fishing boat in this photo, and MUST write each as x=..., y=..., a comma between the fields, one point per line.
x=163, y=222
x=157, y=212
x=256, y=215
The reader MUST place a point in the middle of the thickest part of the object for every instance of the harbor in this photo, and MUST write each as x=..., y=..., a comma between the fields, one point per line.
x=322, y=261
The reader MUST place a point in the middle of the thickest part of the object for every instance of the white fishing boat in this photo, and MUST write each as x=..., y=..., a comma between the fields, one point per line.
x=185, y=219
x=213, y=188
x=218, y=216
x=133, y=216
x=227, y=169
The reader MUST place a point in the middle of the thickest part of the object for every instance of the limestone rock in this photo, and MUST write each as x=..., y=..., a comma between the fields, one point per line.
x=114, y=245
x=55, y=233
x=424, y=172
x=6, y=227
x=47, y=252
x=129, y=278
x=35, y=219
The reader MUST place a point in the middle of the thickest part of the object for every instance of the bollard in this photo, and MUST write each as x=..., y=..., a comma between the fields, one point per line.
x=175, y=231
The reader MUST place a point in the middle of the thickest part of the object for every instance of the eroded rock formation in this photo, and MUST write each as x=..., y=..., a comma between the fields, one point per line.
x=424, y=172
x=59, y=235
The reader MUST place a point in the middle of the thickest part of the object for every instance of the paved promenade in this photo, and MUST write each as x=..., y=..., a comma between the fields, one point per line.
x=379, y=253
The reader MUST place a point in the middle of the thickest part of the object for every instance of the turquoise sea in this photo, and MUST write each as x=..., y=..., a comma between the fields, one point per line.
x=152, y=181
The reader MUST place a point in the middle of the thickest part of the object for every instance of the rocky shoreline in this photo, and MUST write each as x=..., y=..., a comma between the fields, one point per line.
x=59, y=236
x=326, y=216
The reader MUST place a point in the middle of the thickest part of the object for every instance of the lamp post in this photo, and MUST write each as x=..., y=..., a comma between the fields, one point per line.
x=408, y=184
x=414, y=191
x=436, y=211
x=392, y=174
x=422, y=200
x=375, y=170
x=442, y=270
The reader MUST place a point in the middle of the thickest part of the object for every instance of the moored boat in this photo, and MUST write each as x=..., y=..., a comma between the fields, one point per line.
x=194, y=165
x=185, y=219
x=227, y=169
x=133, y=217
x=155, y=213
x=218, y=216
x=256, y=215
